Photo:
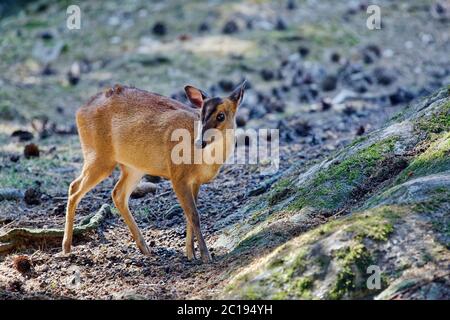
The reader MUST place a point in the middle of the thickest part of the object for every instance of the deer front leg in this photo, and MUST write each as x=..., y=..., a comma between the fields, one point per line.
x=190, y=249
x=186, y=198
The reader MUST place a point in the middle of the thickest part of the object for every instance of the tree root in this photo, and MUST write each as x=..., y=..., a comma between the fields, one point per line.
x=17, y=237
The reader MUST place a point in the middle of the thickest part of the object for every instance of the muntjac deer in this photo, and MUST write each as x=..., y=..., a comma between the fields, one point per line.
x=133, y=128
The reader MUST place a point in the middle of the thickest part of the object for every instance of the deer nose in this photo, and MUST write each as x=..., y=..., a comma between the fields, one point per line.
x=199, y=143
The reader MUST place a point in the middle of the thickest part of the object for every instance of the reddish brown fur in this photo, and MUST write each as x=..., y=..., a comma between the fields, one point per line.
x=132, y=128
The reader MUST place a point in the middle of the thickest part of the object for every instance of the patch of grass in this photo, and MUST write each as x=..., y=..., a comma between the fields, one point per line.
x=36, y=170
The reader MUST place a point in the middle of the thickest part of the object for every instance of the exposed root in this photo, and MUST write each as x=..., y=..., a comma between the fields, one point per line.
x=19, y=237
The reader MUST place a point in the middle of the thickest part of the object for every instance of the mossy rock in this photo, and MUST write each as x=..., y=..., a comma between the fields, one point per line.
x=392, y=188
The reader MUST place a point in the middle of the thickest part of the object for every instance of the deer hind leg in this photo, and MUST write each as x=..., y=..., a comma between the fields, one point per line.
x=92, y=174
x=121, y=193
x=187, y=201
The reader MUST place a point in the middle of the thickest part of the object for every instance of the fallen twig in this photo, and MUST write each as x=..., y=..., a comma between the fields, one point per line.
x=20, y=236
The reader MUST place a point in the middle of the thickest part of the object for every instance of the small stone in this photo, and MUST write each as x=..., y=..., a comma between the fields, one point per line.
x=184, y=37
x=302, y=128
x=304, y=51
x=276, y=106
x=203, y=27
x=291, y=5
x=230, y=27
x=48, y=70
x=32, y=196
x=267, y=74
x=360, y=131
x=31, y=150
x=335, y=57
x=74, y=73
x=281, y=24
x=42, y=268
x=226, y=85
x=371, y=53
x=14, y=158
x=308, y=78
x=46, y=35
x=440, y=11
x=143, y=189
x=159, y=29
x=383, y=76
x=22, y=135
x=326, y=104
x=349, y=110
x=242, y=117
x=329, y=83
x=400, y=96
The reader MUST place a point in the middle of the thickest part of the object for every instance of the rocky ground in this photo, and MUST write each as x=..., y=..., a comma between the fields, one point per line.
x=315, y=72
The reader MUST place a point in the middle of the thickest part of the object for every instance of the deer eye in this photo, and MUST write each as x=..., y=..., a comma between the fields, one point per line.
x=220, y=117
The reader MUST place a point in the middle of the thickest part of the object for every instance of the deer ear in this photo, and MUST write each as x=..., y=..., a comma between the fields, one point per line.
x=238, y=93
x=195, y=96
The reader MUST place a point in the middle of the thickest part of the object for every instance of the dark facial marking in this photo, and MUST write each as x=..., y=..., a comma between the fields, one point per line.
x=210, y=107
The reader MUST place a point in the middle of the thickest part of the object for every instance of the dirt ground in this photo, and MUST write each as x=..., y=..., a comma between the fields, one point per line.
x=316, y=73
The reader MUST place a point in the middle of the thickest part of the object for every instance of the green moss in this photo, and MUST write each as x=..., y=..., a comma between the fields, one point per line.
x=281, y=191
x=438, y=122
x=289, y=281
x=298, y=266
x=256, y=240
x=435, y=159
x=252, y=293
x=293, y=270
x=280, y=295
x=302, y=286
x=438, y=202
x=331, y=188
x=353, y=260
x=357, y=141
x=376, y=227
